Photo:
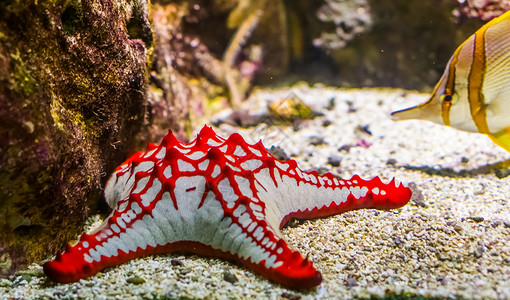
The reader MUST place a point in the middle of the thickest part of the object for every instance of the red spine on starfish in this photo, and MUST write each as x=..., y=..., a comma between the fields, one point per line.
x=216, y=197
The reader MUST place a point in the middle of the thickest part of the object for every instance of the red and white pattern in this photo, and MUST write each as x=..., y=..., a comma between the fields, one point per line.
x=216, y=197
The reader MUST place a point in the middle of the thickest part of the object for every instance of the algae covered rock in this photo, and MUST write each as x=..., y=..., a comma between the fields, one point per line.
x=398, y=43
x=185, y=76
x=481, y=9
x=72, y=95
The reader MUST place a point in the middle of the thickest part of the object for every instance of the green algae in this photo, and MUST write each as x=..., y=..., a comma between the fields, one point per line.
x=24, y=82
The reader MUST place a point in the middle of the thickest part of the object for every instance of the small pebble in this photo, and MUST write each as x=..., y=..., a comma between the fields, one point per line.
x=496, y=223
x=478, y=252
x=334, y=160
x=364, y=129
x=322, y=170
x=479, y=192
x=443, y=257
x=293, y=223
x=417, y=197
x=363, y=143
x=348, y=216
x=451, y=222
x=227, y=276
x=135, y=280
x=34, y=273
x=345, y=148
x=290, y=296
x=278, y=153
x=502, y=173
x=441, y=280
x=26, y=277
x=331, y=103
x=316, y=140
x=5, y=282
x=351, y=108
x=391, y=162
x=176, y=262
x=476, y=219
x=351, y=282
x=326, y=123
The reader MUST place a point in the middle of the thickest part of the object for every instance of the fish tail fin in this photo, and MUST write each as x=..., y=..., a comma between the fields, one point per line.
x=502, y=138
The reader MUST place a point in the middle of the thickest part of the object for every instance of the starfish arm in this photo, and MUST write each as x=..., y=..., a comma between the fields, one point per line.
x=237, y=234
x=306, y=195
x=252, y=237
x=360, y=194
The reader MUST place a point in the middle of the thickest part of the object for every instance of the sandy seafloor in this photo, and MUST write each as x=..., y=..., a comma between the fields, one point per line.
x=451, y=241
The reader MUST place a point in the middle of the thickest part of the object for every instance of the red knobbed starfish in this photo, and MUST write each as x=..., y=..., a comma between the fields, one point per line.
x=216, y=197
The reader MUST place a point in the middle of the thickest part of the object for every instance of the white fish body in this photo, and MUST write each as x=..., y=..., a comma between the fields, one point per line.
x=474, y=92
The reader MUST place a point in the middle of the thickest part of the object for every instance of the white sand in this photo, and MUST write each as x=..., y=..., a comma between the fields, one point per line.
x=454, y=243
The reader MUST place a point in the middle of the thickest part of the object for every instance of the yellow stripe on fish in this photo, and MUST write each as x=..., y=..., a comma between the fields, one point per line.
x=474, y=92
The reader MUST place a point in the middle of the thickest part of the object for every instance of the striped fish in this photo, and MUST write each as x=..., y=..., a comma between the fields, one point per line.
x=474, y=92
